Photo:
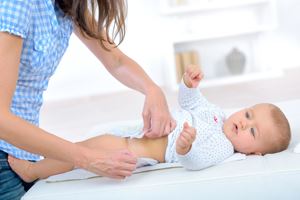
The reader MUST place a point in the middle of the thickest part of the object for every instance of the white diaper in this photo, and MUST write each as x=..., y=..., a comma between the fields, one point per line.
x=132, y=131
x=130, y=128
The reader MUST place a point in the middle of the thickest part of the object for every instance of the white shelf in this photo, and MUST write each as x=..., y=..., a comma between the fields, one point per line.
x=194, y=37
x=241, y=78
x=235, y=79
x=223, y=22
x=210, y=5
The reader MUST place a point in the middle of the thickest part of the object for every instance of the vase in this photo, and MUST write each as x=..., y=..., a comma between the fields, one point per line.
x=236, y=61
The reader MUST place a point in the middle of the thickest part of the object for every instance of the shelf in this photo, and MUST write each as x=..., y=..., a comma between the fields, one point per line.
x=193, y=37
x=220, y=24
x=235, y=79
x=213, y=5
x=240, y=78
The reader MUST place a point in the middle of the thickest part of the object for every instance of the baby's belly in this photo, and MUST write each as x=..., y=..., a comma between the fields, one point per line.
x=150, y=148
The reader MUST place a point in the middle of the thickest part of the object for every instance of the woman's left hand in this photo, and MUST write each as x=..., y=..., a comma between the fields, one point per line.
x=156, y=116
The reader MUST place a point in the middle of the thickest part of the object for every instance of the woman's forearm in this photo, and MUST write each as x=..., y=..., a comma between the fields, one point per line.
x=132, y=75
x=28, y=137
x=123, y=68
x=118, y=164
x=13, y=129
x=156, y=115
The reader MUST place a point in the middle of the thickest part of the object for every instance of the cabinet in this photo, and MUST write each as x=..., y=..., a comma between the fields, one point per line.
x=212, y=29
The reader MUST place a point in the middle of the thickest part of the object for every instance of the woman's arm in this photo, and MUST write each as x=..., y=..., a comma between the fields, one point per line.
x=24, y=135
x=14, y=129
x=156, y=115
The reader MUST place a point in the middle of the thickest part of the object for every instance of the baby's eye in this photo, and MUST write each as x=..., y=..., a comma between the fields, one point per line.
x=247, y=115
x=252, y=131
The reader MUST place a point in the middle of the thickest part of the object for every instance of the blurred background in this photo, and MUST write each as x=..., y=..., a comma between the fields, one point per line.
x=248, y=50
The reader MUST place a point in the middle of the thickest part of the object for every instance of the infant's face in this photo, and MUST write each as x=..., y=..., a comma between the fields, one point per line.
x=247, y=129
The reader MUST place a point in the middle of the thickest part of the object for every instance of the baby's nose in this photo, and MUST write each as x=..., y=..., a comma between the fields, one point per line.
x=243, y=125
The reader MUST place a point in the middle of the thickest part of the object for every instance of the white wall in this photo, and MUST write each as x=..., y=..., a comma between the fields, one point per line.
x=80, y=74
x=283, y=44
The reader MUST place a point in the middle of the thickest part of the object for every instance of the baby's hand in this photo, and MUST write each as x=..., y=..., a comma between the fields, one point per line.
x=185, y=139
x=192, y=76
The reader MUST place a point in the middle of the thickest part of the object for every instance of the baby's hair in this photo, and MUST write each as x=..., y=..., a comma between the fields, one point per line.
x=283, y=133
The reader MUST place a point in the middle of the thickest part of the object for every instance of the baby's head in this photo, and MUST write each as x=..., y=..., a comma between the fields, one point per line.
x=260, y=129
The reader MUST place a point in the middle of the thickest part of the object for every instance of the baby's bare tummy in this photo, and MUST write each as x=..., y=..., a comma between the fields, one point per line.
x=150, y=148
x=141, y=147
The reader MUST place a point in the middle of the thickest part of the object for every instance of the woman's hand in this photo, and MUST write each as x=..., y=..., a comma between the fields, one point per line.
x=185, y=140
x=157, y=119
x=114, y=164
x=156, y=116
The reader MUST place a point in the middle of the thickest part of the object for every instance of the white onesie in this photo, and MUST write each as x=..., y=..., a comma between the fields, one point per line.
x=210, y=146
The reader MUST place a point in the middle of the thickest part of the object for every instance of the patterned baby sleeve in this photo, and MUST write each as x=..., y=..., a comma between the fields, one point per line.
x=191, y=98
x=15, y=17
x=202, y=155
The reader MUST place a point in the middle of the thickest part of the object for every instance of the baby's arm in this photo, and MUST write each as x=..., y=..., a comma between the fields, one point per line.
x=203, y=154
x=185, y=140
x=189, y=96
x=192, y=76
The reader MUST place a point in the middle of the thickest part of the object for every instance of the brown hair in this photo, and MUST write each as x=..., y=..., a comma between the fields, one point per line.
x=111, y=15
x=283, y=133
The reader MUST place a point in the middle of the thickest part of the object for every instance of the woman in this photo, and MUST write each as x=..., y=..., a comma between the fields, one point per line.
x=33, y=37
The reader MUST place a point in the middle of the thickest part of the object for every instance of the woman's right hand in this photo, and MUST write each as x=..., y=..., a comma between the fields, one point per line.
x=114, y=164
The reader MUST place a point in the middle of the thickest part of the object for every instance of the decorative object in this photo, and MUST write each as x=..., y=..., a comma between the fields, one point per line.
x=236, y=61
x=178, y=2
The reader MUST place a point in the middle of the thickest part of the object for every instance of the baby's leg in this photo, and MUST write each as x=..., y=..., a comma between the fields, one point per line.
x=30, y=171
x=144, y=147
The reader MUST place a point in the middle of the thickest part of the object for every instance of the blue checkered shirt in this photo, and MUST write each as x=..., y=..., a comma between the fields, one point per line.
x=45, y=32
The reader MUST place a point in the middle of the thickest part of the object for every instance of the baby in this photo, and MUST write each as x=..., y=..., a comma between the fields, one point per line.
x=202, y=138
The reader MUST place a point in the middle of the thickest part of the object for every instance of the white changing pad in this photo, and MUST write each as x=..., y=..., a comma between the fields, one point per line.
x=143, y=165
x=274, y=176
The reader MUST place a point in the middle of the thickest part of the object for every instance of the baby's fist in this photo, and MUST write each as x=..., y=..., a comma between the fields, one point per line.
x=185, y=139
x=192, y=76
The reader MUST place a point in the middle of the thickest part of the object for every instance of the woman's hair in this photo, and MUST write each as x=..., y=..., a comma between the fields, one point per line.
x=95, y=17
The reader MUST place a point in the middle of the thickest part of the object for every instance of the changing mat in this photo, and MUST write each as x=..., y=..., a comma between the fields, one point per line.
x=273, y=176
x=143, y=165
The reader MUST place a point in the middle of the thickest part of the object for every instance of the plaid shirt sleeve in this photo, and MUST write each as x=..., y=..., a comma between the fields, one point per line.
x=15, y=17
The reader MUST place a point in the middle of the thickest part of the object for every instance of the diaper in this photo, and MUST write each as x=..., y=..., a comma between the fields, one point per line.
x=128, y=130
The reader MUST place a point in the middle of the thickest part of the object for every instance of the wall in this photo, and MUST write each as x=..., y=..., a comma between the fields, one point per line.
x=284, y=43
x=80, y=74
